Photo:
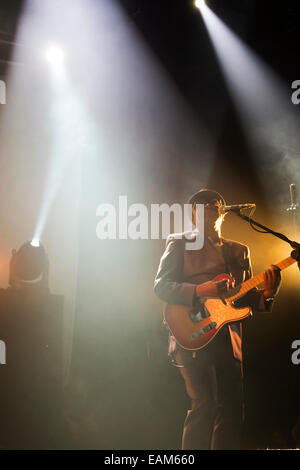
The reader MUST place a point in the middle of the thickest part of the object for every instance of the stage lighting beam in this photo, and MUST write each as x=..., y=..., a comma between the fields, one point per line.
x=55, y=55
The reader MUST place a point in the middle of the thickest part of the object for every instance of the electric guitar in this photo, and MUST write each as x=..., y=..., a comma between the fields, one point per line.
x=194, y=328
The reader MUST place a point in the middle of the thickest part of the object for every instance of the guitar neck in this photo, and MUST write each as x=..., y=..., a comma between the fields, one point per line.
x=258, y=279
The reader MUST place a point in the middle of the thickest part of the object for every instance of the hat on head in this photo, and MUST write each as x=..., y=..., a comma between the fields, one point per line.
x=205, y=196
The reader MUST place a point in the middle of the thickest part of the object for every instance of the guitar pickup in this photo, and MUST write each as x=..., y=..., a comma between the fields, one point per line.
x=204, y=330
x=209, y=327
x=200, y=315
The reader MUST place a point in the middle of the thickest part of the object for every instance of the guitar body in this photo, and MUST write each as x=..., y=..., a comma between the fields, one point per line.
x=195, y=328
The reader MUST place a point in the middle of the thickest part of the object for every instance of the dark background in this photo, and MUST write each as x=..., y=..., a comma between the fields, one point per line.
x=122, y=392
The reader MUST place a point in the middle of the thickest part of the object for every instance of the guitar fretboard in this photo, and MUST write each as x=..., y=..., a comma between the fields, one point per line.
x=258, y=279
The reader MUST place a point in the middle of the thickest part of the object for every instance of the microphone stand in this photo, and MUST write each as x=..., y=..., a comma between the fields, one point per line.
x=293, y=244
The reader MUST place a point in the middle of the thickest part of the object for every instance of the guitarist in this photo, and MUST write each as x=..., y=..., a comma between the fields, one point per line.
x=212, y=375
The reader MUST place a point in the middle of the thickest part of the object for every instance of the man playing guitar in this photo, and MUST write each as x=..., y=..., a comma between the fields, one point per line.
x=212, y=374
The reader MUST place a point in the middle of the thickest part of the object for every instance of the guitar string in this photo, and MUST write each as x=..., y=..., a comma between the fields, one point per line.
x=258, y=279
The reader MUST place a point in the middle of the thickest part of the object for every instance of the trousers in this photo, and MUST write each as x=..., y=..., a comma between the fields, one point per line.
x=214, y=383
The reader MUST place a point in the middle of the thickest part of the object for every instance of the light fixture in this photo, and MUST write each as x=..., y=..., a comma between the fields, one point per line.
x=199, y=4
x=35, y=242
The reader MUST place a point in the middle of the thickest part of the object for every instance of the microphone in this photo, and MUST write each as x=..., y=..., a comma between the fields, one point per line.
x=294, y=207
x=293, y=194
x=236, y=207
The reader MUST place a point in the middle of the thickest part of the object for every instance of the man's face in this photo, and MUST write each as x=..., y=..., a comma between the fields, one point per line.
x=211, y=213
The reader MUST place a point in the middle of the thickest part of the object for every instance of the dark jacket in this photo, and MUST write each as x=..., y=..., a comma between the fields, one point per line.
x=180, y=270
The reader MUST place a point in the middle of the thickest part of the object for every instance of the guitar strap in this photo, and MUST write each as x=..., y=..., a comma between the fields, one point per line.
x=234, y=329
x=236, y=268
x=226, y=256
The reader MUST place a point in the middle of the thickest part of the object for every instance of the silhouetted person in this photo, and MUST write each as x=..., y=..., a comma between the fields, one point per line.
x=31, y=380
x=212, y=375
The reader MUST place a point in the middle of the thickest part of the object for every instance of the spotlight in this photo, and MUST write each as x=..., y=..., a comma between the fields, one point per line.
x=55, y=55
x=35, y=242
x=199, y=4
x=29, y=265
